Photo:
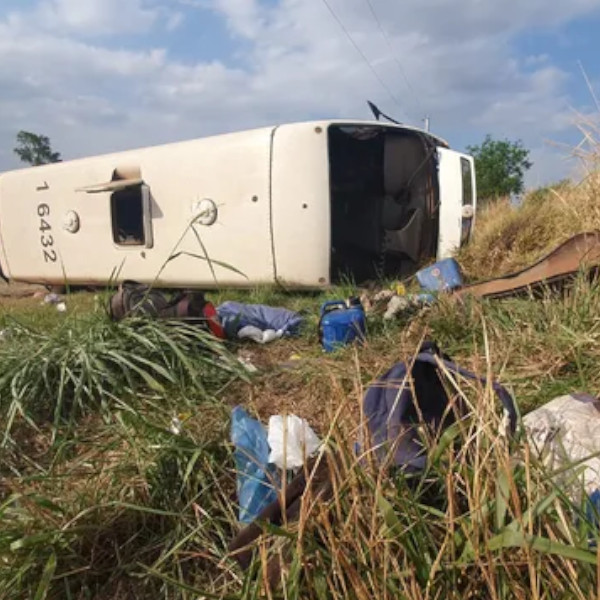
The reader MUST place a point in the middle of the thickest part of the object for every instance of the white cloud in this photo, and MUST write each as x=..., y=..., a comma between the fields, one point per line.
x=88, y=18
x=174, y=20
x=244, y=17
x=98, y=16
x=296, y=63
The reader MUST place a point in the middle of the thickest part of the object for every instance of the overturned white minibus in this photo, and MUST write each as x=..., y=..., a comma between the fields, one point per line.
x=301, y=204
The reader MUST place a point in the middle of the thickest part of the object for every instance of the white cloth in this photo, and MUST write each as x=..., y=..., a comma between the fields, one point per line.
x=258, y=335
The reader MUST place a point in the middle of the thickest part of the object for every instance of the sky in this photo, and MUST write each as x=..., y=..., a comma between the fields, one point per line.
x=99, y=76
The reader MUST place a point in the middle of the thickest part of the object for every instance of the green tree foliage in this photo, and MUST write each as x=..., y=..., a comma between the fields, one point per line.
x=501, y=166
x=35, y=149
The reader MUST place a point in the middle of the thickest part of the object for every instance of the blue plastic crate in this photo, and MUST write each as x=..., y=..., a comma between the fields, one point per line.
x=443, y=276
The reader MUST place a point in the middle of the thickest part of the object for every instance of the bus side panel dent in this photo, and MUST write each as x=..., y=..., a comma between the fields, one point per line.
x=300, y=205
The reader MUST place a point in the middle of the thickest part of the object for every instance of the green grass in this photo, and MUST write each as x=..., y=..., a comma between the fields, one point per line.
x=85, y=362
x=99, y=499
x=93, y=484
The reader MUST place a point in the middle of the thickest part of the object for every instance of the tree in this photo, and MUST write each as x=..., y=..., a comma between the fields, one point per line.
x=500, y=166
x=35, y=149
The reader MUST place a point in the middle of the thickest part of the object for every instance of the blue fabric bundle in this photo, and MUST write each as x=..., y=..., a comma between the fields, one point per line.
x=235, y=315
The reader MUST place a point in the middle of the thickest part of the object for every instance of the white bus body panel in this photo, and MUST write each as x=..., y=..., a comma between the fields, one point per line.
x=301, y=205
x=231, y=170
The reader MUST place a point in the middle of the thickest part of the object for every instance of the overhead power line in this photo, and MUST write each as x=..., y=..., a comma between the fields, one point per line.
x=362, y=54
x=386, y=37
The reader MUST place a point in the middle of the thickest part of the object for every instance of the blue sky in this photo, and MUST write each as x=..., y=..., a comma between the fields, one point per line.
x=104, y=75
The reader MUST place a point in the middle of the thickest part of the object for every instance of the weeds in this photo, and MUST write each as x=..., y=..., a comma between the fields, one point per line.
x=86, y=361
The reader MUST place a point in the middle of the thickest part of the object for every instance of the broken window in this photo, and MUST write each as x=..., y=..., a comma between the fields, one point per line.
x=130, y=206
x=127, y=208
x=467, y=181
x=467, y=199
x=383, y=217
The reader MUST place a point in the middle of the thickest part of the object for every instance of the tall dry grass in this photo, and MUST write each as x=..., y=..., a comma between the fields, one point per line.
x=484, y=521
x=509, y=237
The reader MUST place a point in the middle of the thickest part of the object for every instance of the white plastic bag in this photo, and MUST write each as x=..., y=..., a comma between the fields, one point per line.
x=567, y=431
x=291, y=441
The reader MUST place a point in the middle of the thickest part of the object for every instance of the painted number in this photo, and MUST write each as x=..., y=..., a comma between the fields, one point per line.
x=46, y=240
x=50, y=256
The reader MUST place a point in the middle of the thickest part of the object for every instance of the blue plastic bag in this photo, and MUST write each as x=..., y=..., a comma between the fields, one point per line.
x=256, y=480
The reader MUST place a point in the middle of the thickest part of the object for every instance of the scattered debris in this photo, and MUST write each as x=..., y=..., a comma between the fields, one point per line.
x=579, y=252
x=400, y=304
x=177, y=422
x=443, y=276
x=236, y=316
x=294, y=362
x=396, y=301
x=51, y=299
x=566, y=431
x=176, y=426
x=383, y=295
x=55, y=300
x=246, y=362
x=291, y=440
x=396, y=416
x=341, y=323
x=399, y=288
x=260, y=336
x=257, y=482
x=395, y=305
x=407, y=398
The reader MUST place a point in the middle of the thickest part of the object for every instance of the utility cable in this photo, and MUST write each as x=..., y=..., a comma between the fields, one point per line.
x=362, y=54
x=386, y=37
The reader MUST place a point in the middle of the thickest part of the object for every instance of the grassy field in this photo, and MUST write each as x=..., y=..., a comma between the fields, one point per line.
x=99, y=499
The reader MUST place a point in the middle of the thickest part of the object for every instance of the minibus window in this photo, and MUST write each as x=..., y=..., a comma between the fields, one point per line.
x=127, y=209
x=467, y=182
x=467, y=199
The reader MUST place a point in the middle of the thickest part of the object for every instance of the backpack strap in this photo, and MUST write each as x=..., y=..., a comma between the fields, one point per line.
x=431, y=347
x=501, y=392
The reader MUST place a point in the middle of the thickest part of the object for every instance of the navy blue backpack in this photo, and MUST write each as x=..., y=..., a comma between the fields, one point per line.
x=394, y=413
